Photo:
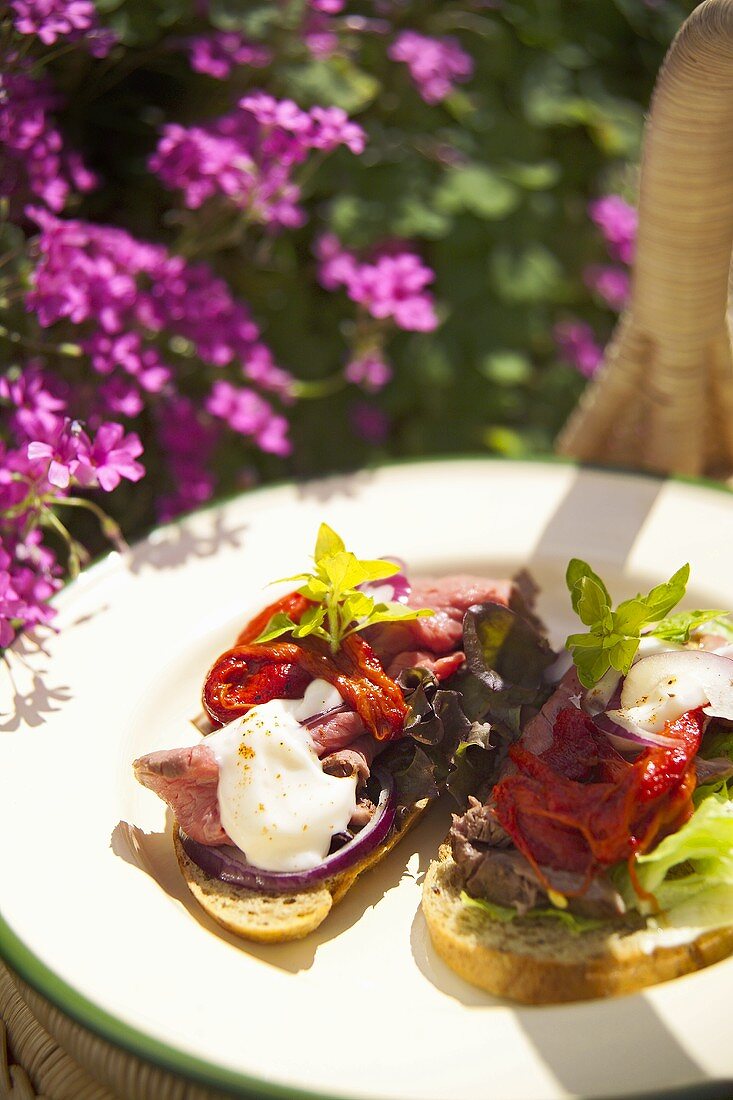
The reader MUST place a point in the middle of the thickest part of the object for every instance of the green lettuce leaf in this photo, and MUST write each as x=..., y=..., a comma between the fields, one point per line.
x=435, y=726
x=690, y=872
x=503, y=913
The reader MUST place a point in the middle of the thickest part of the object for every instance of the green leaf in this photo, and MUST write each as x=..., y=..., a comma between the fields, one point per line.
x=590, y=601
x=592, y=664
x=340, y=607
x=397, y=612
x=677, y=628
x=279, y=624
x=315, y=589
x=613, y=636
x=577, y=571
x=504, y=914
x=337, y=81
x=310, y=622
x=477, y=190
x=377, y=570
x=357, y=606
x=506, y=368
x=534, y=177
x=664, y=597
x=328, y=542
x=525, y=274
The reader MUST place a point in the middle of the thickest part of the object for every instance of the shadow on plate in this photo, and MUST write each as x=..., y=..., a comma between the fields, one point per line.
x=171, y=547
x=31, y=698
x=153, y=854
x=339, y=485
x=603, y=1048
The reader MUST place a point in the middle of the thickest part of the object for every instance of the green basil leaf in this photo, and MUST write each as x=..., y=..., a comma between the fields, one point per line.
x=328, y=543
x=279, y=624
x=677, y=628
x=577, y=571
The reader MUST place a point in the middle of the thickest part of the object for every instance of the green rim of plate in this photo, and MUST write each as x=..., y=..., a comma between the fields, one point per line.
x=114, y=1030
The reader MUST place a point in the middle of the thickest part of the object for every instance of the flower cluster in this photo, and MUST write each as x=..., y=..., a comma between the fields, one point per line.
x=248, y=156
x=50, y=455
x=135, y=308
x=33, y=157
x=611, y=283
x=390, y=285
x=71, y=20
x=29, y=576
x=218, y=54
x=435, y=64
x=187, y=439
x=70, y=453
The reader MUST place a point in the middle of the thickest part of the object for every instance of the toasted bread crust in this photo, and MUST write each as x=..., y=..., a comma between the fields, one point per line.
x=537, y=962
x=270, y=918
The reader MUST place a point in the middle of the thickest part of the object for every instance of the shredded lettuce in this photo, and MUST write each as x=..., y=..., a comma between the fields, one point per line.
x=690, y=872
x=504, y=913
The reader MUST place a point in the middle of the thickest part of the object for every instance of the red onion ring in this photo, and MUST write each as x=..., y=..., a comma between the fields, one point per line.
x=229, y=864
x=400, y=585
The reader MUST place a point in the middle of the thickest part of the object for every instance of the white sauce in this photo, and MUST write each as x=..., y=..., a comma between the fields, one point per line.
x=275, y=801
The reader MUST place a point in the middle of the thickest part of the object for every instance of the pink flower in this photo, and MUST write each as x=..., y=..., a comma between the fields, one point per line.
x=370, y=423
x=618, y=223
x=109, y=458
x=73, y=20
x=61, y=449
x=218, y=53
x=11, y=608
x=435, y=64
x=370, y=372
x=391, y=286
x=248, y=414
x=35, y=159
x=248, y=156
x=577, y=344
x=611, y=284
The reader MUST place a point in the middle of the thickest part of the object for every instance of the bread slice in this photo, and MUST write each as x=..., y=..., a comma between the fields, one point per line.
x=541, y=962
x=276, y=918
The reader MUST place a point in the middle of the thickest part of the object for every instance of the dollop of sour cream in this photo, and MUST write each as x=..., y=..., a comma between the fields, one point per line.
x=275, y=801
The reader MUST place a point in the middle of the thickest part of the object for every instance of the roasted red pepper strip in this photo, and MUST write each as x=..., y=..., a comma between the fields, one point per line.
x=235, y=684
x=580, y=806
x=249, y=674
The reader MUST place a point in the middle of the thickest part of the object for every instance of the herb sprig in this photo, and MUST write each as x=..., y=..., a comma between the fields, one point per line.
x=613, y=637
x=340, y=608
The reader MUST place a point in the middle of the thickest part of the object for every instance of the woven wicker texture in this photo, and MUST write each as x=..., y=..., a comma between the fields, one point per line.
x=46, y=1056
x=663, y=400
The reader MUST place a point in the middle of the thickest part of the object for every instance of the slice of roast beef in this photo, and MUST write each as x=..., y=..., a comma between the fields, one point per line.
x=187, y=779
x=441, y=633
x=336, y=730
x=354, y=760
x=441, y=667
x=504, y=877
x=536, y=736
x=362, y=815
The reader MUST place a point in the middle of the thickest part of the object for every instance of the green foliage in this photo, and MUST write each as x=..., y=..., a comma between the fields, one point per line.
x=339, y=607
x=613, y=636
x=491, y=186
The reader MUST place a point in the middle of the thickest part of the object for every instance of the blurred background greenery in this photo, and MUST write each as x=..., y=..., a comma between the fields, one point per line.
x=490, y=186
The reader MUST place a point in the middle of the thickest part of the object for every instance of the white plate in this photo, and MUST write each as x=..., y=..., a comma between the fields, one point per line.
x=94, y=914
